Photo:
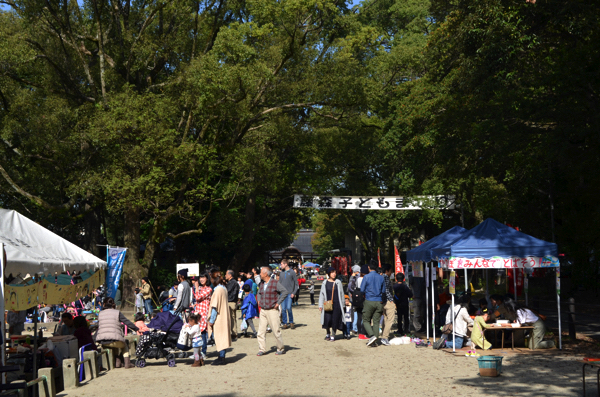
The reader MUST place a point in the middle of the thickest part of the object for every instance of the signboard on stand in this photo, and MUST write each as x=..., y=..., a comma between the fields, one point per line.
x=452, y=284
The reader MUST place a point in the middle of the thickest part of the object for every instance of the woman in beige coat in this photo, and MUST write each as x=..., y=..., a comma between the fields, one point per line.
x=219, y=319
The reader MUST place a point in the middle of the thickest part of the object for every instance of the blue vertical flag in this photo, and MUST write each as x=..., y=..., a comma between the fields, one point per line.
x=115, y=259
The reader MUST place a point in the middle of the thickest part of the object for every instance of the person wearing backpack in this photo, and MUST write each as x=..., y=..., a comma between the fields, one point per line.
x=352, y=284
x=358, y=299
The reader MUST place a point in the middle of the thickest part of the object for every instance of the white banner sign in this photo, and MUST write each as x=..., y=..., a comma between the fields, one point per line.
x=374, y=203
x=499, y=263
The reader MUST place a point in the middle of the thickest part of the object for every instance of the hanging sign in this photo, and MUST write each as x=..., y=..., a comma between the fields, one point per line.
x=452, y=285
x=115, y=259
x=498, y=262
x=374, y=203
x=418, y=269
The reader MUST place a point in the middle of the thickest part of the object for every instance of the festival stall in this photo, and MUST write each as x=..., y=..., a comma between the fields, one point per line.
x=34, y=251
x=423, y=255
x=493, y=245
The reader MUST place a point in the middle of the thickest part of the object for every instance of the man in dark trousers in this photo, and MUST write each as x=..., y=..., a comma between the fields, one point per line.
x=401, y=296
x=373, y=285
x=233, y=289
x=289, y=280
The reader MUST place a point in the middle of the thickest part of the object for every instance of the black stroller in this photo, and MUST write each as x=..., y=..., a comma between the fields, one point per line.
x=162, y=341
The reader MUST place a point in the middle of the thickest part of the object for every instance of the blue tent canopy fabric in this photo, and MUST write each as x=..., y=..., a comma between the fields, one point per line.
x=493, y=239
x=423, y=252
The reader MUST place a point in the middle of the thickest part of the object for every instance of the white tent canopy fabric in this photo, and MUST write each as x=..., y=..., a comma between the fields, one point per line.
x=31, y=248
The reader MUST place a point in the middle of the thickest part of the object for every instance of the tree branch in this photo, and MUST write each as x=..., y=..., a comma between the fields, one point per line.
x=37, y=200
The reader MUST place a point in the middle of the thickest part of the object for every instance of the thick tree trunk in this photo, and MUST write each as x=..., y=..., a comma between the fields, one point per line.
x=133, y=270
x=245, y=248
x=152, y=245
x=93, y=233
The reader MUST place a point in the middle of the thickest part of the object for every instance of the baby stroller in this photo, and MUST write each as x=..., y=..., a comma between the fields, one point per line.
x=162, y=341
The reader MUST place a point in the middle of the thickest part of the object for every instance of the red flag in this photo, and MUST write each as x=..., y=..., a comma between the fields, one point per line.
x=378, y=257
x=399, y=268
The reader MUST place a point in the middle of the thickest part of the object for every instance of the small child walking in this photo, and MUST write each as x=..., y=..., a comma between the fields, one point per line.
x=348, y=317
x=139, y=322
x=139, y=301
x=192, y=327
x=311, y=291
x=249, y=310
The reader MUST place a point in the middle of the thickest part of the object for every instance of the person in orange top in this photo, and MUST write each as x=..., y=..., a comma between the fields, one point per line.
x=139, y=322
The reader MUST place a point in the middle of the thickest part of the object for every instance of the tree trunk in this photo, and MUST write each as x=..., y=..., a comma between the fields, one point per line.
x=152, y=245
x=133, y=270
x=93, y=233
x=245, y=248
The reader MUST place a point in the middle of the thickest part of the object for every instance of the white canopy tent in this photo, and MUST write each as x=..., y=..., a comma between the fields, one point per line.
x=28, y=248
x=31, y=248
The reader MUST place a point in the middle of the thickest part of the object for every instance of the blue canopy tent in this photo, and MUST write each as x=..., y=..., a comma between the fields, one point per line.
x=493, y=245
x=423, y=254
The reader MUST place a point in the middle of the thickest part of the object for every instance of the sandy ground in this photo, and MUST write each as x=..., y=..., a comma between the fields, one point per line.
x=314, y=367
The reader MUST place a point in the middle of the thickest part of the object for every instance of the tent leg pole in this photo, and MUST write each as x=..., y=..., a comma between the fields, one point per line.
x=466, y=282
x=427, y=300
x=36, y=313
x=453, y=334
x=2, y=306
x=432, y=303
x=487, y=287
x=558, y=307
x=515, y=284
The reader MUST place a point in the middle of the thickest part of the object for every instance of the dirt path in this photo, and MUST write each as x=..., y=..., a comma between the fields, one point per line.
x=314, y=367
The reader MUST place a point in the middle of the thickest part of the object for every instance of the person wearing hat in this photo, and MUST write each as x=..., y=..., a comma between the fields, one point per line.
x=184, y=290
x=147, y=296
x=352, y=285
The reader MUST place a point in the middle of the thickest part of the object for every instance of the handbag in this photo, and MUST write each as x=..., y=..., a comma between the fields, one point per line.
x=447, y=329
x=328, y=305
x=184, y=342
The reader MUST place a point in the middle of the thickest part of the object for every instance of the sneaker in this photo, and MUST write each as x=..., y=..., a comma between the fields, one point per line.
x=327, y=337
x=260, y=354
x=385, y=342
x=279, y=352
x=440, y=343
x=284, y=326
x=372, y=340
x=362, y=337
x=332, y=339
x=293, y=326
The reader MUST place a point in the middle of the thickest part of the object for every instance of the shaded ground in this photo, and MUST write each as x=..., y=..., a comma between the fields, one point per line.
x=314, y=367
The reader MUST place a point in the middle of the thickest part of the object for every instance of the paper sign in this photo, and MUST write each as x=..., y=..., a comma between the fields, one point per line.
x=452, y=284
x=418, y=269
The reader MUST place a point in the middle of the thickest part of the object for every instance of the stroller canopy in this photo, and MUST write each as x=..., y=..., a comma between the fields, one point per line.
x=163, y=321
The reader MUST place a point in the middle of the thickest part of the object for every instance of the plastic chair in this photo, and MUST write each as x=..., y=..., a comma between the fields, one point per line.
x=81, y=369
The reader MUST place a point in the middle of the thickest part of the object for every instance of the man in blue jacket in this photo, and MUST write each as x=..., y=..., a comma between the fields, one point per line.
x=373, y=286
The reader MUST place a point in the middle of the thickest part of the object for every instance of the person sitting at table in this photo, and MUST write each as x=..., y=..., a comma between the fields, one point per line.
x=483, y=304
x=499, y=310
x=525, y=316
x=477, y=335
x=462, y=320
x=67, y=327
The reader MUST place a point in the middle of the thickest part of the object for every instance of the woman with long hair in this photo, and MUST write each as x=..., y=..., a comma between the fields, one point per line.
x=526, y=316
x=202, y=296
x=332, y=290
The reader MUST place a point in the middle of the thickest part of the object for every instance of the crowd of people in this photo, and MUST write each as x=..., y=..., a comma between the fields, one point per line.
x=366, y=306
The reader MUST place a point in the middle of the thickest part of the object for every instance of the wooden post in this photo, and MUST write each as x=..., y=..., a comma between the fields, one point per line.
x=572, y=333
